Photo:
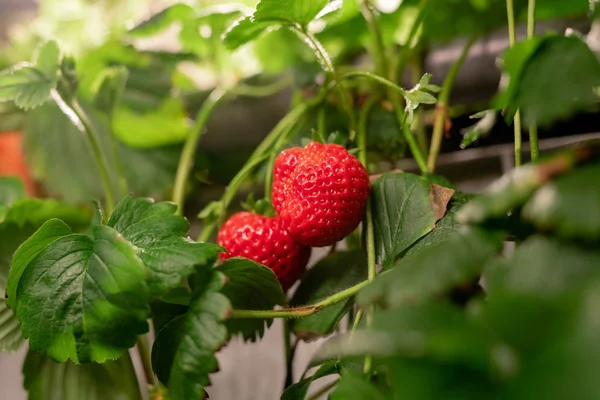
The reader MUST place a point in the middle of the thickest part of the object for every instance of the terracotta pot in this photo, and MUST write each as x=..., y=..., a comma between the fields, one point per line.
x=12, y=160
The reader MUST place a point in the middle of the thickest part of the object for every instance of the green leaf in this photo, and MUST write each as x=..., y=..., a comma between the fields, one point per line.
x=444, y=228
x=330, y=275
x=299, y=390
x=433, y=270
x=110, y=91
x=163, y=126
x=356, y=386
x=250, y=286
x=432, y=330
x=167, y=252
x=183, y=353
x=271, y=13
x=568, y=206
x=94, y=287
x=550, y=89
x=518, y=186
x=290, y=11
x=243, y=31
x=26, y=86
x=405, y=208
x=47, y=59
x=45, y=379
x=11, y=338
x=11, y=190
x=544, y=266
x=162, y=20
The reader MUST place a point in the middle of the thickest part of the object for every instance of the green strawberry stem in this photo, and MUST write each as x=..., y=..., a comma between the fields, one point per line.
x=92, y=136
x=332, y=75
x=378, y=49
x=145, y=359
x=533, y=132
x=375, y=77
x=186, y=161
x=442, y=106
x=303, y=311
x=517, y=119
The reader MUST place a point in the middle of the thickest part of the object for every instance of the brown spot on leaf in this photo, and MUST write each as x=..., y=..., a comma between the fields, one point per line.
x=439, y=196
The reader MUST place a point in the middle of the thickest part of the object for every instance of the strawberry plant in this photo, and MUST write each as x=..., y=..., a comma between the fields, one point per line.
x=437, y=304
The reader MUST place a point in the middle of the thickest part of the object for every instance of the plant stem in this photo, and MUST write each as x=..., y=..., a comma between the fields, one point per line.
x=242, y=89
x=186, y=161
x=533, y=131
x=442, y=105
x=422, y=12
x=517, y=120
x=378, y=48
x=419, y=123
x=327, y=66
x=375, y=77
x=97, y=150
x=144, y=353
x=304, y=310
x=413, y=145
x=289, y=354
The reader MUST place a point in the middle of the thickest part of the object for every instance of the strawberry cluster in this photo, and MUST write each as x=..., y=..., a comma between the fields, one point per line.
x=319, y=193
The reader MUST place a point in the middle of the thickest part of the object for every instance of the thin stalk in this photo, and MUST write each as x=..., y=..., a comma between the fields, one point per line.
x=378, y=51
x=442, y=105
x=144, y=354
x=97, y=150
x=422, y=12
x=533, y=131
x=303, y=311
x=327, y=65
x=517, y=120
x=413, y=145
x=186, y=161
x=419, y=123
x=375, y=77
x=242, y=89
x=289, y=353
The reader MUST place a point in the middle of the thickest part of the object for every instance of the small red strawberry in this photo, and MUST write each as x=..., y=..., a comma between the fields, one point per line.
x=319, y=192
x=264, y=240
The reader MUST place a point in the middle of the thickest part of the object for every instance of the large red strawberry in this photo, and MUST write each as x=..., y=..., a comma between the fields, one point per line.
x=12, y=159
x=319, y=192
x=264, y=240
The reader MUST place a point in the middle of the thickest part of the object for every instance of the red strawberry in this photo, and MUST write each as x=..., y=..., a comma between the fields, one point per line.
x=264, y=240
x=12, y=160
x=319, y=192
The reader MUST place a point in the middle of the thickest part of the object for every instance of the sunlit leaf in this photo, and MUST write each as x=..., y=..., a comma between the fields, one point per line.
x=162, y=20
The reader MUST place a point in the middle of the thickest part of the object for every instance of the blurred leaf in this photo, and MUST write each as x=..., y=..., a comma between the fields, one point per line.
x=163, y=20
x=340, y=11
x=47, y=59
x=250, y=286
x=543, y=266
x=444, y=229
x=183, y=352
x=332, y=274
x=11, y=190
x=431, y=330
x=161, y=236
x=244, y=31
x=518, y=186
x=483, y=127
x=111, y=88
x=433, y=270
x=56, y=149
x=26, y=86
x=405, y=208
x=102, y=306
x=11, y=338
x=45, y=379
x=357, y=386
x=290, y=50
x=568, y=206
x=548, y=88
x=160, y=127
x=299, y=390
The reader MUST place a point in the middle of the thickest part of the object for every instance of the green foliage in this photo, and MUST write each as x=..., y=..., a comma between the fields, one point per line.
x=330, y=275
x=110, y=91
x=183, y=353
x=162, y=20
x=97, y=283
x=356, y=386
x=29, y=85
x=270, y=13
x=11, y=189
x=405, y=208
x=250, y=286
x=45, y=379
x=299, y=390
x=160, y=235
x=544, y=92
